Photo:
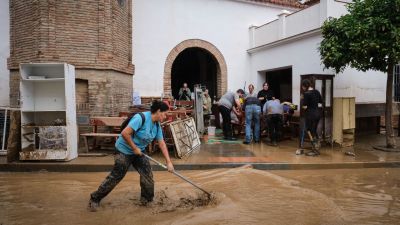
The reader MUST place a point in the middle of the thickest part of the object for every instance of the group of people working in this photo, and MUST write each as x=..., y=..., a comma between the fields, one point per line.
x=254, y=106
x=141, y=129
x=186, y=95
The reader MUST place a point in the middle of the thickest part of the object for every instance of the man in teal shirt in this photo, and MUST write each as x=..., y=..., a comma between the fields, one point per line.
x=134, y=138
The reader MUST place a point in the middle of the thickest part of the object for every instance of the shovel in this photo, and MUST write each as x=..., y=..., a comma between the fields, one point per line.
x=178, y=175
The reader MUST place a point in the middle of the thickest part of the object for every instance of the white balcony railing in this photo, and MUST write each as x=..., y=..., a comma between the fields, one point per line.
x=292, y=24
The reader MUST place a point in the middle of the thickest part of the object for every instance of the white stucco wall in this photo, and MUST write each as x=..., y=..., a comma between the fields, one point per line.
x=159, y=25
x=4, y=52
x=303, y=56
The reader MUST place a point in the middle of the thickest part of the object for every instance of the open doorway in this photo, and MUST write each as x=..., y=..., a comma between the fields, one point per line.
x=194, y=66
x=280, y=82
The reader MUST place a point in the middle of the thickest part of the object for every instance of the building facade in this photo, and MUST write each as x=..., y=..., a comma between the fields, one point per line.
x=221, y=44
x=196, y=41
x=94, y=36
x=293, y=51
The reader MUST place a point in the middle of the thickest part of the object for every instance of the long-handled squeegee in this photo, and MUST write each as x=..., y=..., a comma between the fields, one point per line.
x=178, y=175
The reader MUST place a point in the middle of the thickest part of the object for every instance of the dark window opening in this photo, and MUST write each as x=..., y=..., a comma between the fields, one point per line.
x=280, y=82
x=82, y=95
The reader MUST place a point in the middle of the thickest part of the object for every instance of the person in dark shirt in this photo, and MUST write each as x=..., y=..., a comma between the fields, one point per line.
x=184, y=93
x=265, y=94
x=311, y=100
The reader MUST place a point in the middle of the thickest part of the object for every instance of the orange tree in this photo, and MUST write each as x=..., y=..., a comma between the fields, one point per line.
x=367, y=38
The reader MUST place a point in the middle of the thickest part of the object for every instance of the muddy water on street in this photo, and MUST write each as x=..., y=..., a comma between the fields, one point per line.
x=242, y=196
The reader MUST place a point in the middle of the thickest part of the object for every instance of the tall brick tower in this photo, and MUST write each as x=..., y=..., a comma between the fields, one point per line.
x=94, y=36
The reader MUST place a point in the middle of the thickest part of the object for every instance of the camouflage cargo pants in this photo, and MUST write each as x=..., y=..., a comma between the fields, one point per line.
x=121, y=166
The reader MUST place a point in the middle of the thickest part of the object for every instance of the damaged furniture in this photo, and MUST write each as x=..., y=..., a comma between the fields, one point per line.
x=48, y=113
x=344, y=115
x=112, y=124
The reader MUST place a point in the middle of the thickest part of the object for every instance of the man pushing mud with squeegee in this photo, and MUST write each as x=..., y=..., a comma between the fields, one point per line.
x=137, y=132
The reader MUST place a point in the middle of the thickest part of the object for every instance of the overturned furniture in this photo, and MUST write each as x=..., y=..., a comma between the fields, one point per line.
x=185, y=136
x=48, y=113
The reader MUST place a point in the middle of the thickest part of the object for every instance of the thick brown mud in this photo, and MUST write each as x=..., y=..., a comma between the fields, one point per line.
x=240, y=196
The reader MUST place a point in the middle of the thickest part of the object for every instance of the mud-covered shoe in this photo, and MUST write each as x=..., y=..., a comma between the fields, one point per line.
x=145, y=202
x=93, y=205
x=300, y=151
x=230, y=138
x=317, y=144
x=350, y=153
x=313, y=153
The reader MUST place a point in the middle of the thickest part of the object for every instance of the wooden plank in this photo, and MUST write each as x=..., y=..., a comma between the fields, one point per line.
x=370, y=110
x=345, y=113
x=337, y=120
x=352, y=113
x=349, y=131
x=14, y=138
x=107, y=121
x=100, y=134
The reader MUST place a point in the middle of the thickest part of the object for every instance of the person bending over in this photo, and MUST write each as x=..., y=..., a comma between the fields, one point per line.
x=141, y=130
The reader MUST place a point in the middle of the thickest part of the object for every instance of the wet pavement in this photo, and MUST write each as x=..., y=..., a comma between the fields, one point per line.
x=244, y=196
x=214, y=153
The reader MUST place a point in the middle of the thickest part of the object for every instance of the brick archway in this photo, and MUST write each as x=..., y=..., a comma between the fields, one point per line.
x=222, y=72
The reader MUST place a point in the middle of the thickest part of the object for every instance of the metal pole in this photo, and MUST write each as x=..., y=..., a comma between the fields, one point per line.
x=4, y=129
x=177, y=174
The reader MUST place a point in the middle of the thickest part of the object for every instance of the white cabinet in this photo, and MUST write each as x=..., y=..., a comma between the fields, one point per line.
x=48, y=114
x=344, y=121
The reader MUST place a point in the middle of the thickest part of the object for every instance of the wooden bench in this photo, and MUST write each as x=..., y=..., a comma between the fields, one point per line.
x=111, y=122
x=87, y=135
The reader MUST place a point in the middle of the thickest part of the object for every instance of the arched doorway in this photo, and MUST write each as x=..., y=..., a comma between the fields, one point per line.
x=195, y=62
x=194, y=66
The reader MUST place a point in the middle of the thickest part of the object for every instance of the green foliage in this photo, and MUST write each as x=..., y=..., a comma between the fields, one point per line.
x=366, y=38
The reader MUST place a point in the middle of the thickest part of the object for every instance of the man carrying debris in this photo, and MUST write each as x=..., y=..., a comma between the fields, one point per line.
x=141, y=130
x=225, y=105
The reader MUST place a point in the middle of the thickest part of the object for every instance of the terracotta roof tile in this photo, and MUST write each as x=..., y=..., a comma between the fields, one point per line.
x=311, y=2
x=289, y=3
